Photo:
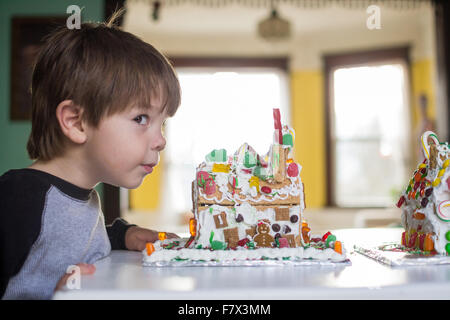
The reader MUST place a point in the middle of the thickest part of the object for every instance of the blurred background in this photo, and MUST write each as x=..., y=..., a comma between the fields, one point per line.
x=359, y=81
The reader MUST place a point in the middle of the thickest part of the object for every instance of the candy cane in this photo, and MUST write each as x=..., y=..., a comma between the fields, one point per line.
x=425, y=145
x=277, y=124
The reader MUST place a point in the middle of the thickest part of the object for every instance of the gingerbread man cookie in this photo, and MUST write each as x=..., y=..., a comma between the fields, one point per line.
x=263, y=238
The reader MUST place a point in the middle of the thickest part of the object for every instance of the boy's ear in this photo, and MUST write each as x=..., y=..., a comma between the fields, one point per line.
x=70, y=120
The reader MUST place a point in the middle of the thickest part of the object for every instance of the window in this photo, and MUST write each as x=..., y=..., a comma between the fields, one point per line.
x=370, y=134
x=221, y=108
x=368, y=126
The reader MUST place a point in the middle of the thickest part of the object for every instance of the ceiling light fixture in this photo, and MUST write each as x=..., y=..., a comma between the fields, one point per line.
x=274, y=28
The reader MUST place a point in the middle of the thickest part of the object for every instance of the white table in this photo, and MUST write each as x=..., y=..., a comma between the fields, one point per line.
x=121, y=276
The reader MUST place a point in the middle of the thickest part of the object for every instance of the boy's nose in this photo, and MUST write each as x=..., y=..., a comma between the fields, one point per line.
x=159, y=143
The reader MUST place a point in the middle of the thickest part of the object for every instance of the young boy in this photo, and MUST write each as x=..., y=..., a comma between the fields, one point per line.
x=100, y=97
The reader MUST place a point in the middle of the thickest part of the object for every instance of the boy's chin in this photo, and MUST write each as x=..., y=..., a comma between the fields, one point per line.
x=129, y=184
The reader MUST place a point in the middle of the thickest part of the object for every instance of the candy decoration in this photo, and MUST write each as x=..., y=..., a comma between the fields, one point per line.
x=193, y=227
x=266, y=189
x=239, y=218
x=162, y=236
x=254, y=182
x=243, y=242
x=441, y=172
x=426, y=138
x=404, y=240
x=428, y=243
x=330, y=239
x=287, y=229
x=446, y=164
x=447, y=247
x=293, y=218
x=292, y=170
x=338, y=247
x=249, y=160
x=216, y=245
x=288, y=140
x=276, y=227
x=210, y=187
x=436, y=182
x=221, y=167
x=325, y=236
x=277, y=124
x=443, y=211
x=448, y=183
x=283, y=242
x=202, y=177
x=401, y=201
x=412, y=240
x=447, y=236
x=424, y=202
x=428, y=192
x=419, y=215
x=150, y=248
x=217, y=155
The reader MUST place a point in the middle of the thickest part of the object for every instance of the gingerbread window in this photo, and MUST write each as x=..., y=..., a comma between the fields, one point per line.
x=282, y=214
x=221, y=220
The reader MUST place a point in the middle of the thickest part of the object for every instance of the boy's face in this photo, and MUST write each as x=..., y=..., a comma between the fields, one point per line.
x=125, y=146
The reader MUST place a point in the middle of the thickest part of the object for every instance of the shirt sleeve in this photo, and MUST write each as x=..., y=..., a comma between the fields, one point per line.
x=116, y=233
x=21, y=206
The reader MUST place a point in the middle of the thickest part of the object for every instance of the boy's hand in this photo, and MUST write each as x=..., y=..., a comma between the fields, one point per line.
x=85, y=269
x=136, y=238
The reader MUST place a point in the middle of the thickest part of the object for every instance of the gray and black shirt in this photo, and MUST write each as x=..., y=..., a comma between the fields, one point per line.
x=46, y=225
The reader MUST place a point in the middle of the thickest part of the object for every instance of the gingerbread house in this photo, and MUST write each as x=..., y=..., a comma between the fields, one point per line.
x=425, y=202
x=248, y=200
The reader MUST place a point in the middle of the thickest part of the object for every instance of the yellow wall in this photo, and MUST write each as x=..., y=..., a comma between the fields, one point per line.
x=307, y=96
x=147, y=195
x=308, y=120
x=421, y=81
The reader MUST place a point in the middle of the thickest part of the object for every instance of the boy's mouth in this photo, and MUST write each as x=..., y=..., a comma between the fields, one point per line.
x=148, y=167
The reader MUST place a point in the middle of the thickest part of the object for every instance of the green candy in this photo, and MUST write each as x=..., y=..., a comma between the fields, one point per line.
x=330, y=238
x=447, y=247
x=249, y=160
x=217, y=155
x=288, y=140
x=447, y=235
x=216, y=245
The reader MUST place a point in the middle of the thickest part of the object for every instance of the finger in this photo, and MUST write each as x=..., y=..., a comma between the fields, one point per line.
x=86, y=269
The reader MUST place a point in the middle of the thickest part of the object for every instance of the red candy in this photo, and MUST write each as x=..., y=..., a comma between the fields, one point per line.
x=412, y=240
x=266, y=189
x=292, y=170
x=210, y=187
x=243, y=242
x=401, y=201
x=325, y=236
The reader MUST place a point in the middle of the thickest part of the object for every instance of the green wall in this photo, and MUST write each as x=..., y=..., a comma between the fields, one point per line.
x=14, y=134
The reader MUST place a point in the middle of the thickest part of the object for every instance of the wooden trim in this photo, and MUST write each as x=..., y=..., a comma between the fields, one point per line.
x=230, y=62
x=349, y=59
x=442, y=20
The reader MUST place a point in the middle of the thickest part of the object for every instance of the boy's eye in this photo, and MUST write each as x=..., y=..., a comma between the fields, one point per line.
x=141, y=119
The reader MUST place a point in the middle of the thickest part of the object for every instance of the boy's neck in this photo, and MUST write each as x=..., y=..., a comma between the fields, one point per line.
x=66, y=170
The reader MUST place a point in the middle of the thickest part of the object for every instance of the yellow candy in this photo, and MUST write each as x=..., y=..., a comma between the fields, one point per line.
x=436, y=182
x=254, y=181
x=441, y=172
x=162, y=236
x=221, y=167
x=446, y=163
x=422, y=165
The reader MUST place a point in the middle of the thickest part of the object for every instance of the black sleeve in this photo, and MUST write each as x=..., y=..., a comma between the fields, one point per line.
x=21, y=206
x=116, y=233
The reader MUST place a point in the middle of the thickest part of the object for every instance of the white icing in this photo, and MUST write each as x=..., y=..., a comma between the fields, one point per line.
x=245, y=254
